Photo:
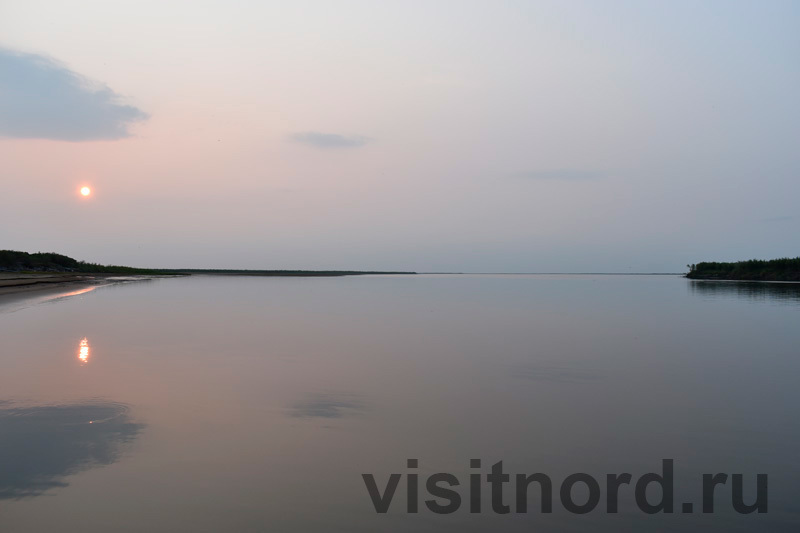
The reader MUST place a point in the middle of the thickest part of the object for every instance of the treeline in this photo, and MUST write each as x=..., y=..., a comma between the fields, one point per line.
x=14, y=261
x=786, y=269
x=292, y=273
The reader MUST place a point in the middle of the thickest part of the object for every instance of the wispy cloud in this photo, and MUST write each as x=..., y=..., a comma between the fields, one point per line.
x=329, y=140
x=42, y=99
x=561, y=175
x=327, y=406
x=785, y=218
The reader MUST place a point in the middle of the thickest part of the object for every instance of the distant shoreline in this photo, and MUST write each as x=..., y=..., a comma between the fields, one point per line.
x=18, y=282
x=281, y=273
x=25, y=282
x=741, y=279
x=785, y=269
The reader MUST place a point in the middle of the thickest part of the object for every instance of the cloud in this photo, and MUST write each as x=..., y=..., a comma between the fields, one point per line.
x=329, y=140
x=786, y=218
x=561, y=175
x=326, y=406
x=43, y=446
x=42, y=99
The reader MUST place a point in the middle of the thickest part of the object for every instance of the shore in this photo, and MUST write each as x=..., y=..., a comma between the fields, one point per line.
x=15, y=282
x=783, y=277
x=784, y=269
x=21, y=283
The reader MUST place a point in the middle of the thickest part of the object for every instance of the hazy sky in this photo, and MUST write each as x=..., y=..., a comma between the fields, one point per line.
x=447, y=136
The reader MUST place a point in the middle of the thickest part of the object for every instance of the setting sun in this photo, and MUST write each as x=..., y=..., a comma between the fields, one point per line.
x=86, y=191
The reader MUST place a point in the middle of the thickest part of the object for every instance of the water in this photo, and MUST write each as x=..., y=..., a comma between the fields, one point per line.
x=256, y=404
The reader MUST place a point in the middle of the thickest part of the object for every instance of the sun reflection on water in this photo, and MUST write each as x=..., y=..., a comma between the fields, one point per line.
x=83, y=351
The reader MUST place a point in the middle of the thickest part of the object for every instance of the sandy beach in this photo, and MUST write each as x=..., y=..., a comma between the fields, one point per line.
x=15, y=284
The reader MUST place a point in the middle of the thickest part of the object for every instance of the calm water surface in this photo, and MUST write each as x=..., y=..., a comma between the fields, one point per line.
x=210, y=404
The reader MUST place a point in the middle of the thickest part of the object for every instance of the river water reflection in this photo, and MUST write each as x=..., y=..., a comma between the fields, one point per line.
x=208, y=404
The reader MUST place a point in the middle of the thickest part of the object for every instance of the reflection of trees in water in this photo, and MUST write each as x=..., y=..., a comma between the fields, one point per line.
x=40, y=446
x=778, y=292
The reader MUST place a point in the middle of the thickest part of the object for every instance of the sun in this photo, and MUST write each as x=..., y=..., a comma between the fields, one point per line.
x=86, y=191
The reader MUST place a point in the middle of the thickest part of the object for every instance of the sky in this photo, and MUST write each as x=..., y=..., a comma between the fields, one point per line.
x=490, y=136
